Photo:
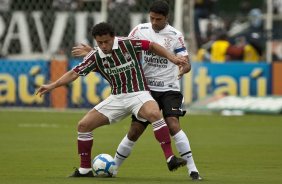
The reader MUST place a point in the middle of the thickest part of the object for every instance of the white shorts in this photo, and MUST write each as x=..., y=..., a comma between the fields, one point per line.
x=117, y=107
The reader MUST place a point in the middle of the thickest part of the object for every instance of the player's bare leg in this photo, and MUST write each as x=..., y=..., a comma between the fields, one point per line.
x=92, y=120
x=149, y=111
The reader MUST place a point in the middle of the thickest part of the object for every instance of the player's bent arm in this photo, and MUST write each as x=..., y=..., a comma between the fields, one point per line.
x=184, y=68
x=187, y=65
x=161, y=51
x=65, y=79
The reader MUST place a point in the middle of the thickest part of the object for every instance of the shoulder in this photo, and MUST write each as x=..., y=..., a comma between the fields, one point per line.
x=122, y=39
x=173, y=31
x=91, y=53
x=139, y=29
x=129, y=40
x=91, y=56
x=144, y=26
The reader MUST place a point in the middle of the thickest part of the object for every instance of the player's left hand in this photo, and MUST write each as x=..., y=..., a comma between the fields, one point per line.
x=81, y=50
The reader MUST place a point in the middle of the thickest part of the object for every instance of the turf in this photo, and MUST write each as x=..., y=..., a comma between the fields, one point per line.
x=40, y=147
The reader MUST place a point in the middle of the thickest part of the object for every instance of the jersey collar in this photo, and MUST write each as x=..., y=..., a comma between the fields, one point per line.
x=115, y=46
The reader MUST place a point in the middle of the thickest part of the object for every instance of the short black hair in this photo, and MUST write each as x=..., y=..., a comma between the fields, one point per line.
x=160, y=7
x=103, y=28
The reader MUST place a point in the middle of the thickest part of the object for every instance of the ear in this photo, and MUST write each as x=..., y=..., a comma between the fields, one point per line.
x=166, y=18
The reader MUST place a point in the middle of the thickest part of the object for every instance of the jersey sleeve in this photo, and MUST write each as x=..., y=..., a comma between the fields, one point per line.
x=140, y=45
x=145, y=44
x=179, y=47
x=87, y=65
x=134, y=33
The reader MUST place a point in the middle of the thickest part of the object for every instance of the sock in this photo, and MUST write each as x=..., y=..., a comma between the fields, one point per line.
x=162, y=135
x=183, y=146
x=84, y=144
x=84, y=171
x=123, y=150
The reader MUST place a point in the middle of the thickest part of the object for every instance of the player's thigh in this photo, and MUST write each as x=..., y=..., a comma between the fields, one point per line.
x=92, y=120
x=150, y=111
x=143, y=106
x=171, y=103
x=113, y=108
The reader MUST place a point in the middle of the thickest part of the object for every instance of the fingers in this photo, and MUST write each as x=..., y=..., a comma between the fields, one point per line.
x=81, y=50
x=180, y=60
x=77, y=52
x=41, y=91
x=181, y=73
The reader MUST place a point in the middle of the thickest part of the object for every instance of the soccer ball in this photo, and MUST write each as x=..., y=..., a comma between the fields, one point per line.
x=103, y=165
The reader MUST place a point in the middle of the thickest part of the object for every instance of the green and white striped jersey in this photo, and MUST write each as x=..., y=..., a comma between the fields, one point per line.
x=121, y=68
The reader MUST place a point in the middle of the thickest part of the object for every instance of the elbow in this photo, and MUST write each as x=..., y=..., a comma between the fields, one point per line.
x=74, y=75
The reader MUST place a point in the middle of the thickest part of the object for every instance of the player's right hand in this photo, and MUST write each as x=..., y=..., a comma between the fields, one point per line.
x=81, y=50
x=180, y=60
x=44, y=89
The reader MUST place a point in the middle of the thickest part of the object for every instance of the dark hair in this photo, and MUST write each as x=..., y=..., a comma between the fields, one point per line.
x=103, y=28
x=160, y=7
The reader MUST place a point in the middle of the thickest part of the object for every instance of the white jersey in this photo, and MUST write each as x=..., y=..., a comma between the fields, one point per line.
x=161, y=74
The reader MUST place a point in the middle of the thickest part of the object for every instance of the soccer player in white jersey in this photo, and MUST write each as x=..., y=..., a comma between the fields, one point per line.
x=163, y=80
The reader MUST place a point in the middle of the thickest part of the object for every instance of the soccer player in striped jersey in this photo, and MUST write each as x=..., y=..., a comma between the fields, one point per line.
x=117, y=60
x=162, y=76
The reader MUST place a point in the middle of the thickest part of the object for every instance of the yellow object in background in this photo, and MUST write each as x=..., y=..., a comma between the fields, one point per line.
x=218, y=51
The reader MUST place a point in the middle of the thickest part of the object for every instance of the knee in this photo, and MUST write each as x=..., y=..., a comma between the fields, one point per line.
x=173, y=129
x=83, y=127
x=173, y=125
x=154, y=115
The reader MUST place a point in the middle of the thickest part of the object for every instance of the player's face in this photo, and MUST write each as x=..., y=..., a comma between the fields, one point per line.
x=105, y=43
x=158, y=21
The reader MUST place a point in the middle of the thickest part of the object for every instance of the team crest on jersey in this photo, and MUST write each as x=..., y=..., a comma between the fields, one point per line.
x=127, y=56
x=105, y=62
x=167, y=43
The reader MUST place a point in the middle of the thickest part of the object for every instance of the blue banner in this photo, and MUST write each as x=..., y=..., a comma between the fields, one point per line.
x=19, y=80
x=89, y=90
x=236, y=79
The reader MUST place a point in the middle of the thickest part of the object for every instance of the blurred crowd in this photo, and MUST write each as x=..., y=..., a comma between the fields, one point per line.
x=240, y=38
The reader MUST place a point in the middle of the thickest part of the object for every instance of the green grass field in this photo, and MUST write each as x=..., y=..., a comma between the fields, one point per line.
x=40, y=147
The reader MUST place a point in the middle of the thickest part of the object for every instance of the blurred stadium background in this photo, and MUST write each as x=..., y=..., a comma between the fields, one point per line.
x=235, y=48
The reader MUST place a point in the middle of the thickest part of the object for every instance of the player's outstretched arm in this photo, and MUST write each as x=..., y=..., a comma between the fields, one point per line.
x=65, y=79
x=81, y=50
x=161, y=51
